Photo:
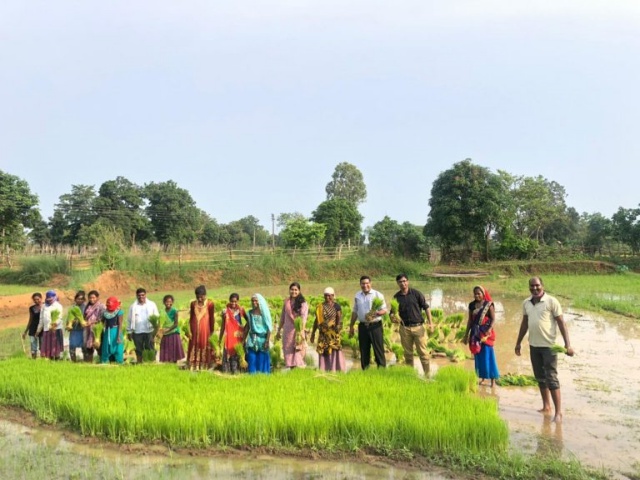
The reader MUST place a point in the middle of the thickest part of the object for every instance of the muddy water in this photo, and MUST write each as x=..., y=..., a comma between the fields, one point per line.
x=600, y=391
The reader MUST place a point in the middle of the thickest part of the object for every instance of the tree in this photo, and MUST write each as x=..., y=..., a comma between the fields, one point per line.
x=73, y=212
x=301, y=233
x=626, y=227
x=342, y=220
x=212, y=232
x=247, y=231
x=285, y=218
x=120, y=203
x=174, y=217
x=390, y=237
x=597, y=230
x=347, y=183
x=18, y=209
x=467, y=204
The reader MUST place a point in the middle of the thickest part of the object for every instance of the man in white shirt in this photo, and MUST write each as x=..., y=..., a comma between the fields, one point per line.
x=542, y=317
x=370, y=327
x=139, y=327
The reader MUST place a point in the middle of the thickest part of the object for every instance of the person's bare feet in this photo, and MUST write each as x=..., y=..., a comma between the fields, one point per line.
x=493, y=382
x=557, y=418
x=481, y=381
x=545, y=410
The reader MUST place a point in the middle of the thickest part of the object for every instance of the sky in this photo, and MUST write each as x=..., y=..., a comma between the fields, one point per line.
x=250, y=105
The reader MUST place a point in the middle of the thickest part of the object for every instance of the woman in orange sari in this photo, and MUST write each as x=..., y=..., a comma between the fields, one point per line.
x=232, y=324
x=201, y=323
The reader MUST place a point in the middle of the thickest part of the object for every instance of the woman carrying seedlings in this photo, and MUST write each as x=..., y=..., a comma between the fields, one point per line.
x=112, y=344
x=75, y=324
x=257, y=332
x=481, y=336
x=293, y=321
x=51, y=324
x=170, y=345
x=329, y=325
x=92, y=316
x=232, y=325
x=201, y=323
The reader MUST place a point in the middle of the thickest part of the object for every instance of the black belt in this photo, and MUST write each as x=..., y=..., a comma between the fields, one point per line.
x=413, y=324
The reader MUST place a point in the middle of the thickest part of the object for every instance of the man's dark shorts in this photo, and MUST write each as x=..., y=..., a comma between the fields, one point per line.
x=545, y=367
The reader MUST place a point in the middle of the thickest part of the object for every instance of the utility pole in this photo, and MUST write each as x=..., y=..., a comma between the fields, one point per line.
x=273, y=232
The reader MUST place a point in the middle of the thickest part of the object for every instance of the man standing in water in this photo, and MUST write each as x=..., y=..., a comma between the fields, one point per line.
x=370, y=324
x=542, y=317
x=411, y=304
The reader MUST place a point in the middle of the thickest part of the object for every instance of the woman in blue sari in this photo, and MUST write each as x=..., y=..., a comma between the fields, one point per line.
x=481, y=336
x=112, y=345
x=257, y=333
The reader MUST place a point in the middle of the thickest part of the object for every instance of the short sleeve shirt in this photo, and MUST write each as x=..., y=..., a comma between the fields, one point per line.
x=541, y=320
x=362, y=304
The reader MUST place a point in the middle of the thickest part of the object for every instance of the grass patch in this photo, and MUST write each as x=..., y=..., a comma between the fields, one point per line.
x=300, y=408
x=10, y=344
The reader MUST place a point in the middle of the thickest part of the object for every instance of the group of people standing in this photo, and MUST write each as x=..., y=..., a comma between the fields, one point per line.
x=246, y=335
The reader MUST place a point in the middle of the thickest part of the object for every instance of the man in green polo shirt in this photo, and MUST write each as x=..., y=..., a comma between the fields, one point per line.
x=542, y=317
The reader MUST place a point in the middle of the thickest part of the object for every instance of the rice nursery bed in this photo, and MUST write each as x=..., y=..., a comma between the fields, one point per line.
x=300, y=408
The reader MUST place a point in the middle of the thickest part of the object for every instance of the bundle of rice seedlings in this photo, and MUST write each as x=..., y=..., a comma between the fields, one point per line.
x=98, y=328
x=398, y=351
x=75, y=318
x=55, y=315
x=437, y=314
x=239, y=348
x=460, y=334
x=154, y=320
x=446, y=330
x=516, y=380
x=457, y=355
x=149, y=355
x=558, y=349
x=455, y=320
x=395, y=311
x=376, y=304
x=297, y=323
x=216, y=345
x=432, y=344
x=435, y=333
x=275, y=353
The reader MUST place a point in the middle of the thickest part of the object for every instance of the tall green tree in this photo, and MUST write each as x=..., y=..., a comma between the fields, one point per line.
x=18, y=210
x=120, y=203
x=598, y=229
x=342, y=220
x=405, y=240
x=174, y=217
x=626, y=227
x=467, y=204
x=301, y=233
x=247, y=232
x=347, y=183
x=73, y=211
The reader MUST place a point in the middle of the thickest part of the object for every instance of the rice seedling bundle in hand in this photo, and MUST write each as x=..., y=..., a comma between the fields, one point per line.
x=297, y=323
x=98, y=328
x=216, y=345
x=55, y=315
x=239, y=348
x=75, y=318
x=275, y=353
x=558, y=349
x=376, y=304
x=395, y=311
x=154, y=320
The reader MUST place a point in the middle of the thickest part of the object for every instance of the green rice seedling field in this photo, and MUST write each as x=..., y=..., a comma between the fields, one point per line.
x=300, y=408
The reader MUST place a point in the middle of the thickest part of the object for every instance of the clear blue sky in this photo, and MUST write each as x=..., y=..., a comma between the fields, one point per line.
x=250, y=105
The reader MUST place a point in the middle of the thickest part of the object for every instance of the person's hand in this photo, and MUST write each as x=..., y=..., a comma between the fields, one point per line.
x=237, y=335
x=313, y=339
x=119, y=340
x=278, y=335
x=465, y=339
x=129, y=337
x=394, y=318
x=23, y=335
x=570, y=351
x=518, y=349
x=351, y=331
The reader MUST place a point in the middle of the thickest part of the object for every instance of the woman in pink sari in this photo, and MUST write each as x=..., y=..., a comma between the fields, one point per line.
x=201, y=323
x=294, y=343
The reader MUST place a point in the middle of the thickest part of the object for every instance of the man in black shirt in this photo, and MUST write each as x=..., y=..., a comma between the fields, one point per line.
x=411, y=303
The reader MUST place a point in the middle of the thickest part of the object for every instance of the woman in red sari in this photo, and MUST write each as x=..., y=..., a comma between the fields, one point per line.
x=232, y=325
x=201, y=323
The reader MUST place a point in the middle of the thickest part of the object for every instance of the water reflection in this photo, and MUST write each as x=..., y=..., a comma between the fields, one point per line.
x=550, y=444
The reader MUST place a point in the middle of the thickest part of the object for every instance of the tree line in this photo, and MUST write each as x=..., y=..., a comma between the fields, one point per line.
x=473, y=213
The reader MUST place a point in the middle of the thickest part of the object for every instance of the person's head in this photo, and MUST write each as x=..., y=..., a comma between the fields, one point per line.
x=478, y=293
x=80, y=297
x=93, y=297
x=536, y=287
x=329, y=294
x=255, y=302
x=234, y=298
x=37, y=298
x=113, y=304
x=403, y=281
x=141, y=295
x=201, y=293
x=295, y=293
x=50, y=297
x=365, y=284
x=168, y=300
